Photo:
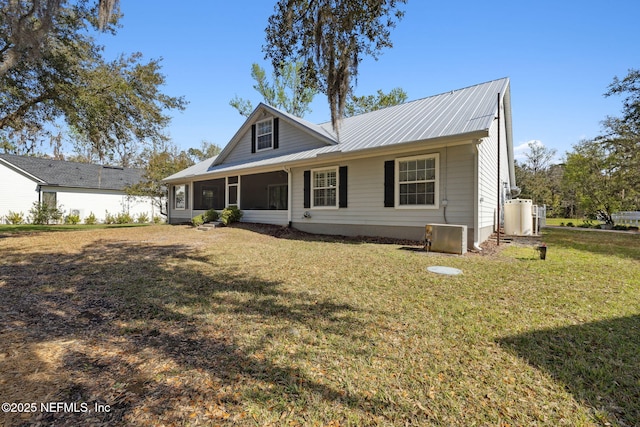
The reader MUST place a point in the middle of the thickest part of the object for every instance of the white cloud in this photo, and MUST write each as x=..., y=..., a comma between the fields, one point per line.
x=520, y=151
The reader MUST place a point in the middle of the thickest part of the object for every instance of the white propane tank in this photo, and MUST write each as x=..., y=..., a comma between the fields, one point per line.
x=518, y=217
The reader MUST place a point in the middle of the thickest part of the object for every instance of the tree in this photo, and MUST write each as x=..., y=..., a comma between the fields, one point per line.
x=330, y=37
x=631, y=104
x=364, y=104
x=591, y=173
x=605, y=171
x=622, y=134
x=206, y=151
x=287, y=92
x=537, y=177
x=27, y=25
x=159, y=164
x=110, y=106
x=118, y=106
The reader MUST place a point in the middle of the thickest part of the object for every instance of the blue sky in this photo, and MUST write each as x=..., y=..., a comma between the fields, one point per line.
x=559, y=55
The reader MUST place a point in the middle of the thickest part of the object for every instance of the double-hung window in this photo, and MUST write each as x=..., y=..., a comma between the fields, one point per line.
x=264, y=135
x=325, y=188
x=417, y=184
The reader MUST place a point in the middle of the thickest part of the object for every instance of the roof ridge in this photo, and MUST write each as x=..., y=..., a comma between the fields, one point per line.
x=421, y=99
x=43, y=159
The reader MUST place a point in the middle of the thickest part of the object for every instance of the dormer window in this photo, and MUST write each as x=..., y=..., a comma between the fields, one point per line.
x=264, y=135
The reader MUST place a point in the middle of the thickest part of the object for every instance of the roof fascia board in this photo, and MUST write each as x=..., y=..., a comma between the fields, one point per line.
x=21, y=171
x=509, y=137
x=339, y=157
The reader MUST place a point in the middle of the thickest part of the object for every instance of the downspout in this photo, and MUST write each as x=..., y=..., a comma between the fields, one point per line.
x=499, y=180
x=476, y=198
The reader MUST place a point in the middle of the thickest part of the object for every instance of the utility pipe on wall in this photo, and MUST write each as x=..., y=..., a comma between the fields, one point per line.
x=499, y=180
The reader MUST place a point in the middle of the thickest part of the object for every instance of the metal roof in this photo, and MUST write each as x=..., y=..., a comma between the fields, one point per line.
x=459, y=112
x=71, y=174
x=197, y=169
x=452, y=113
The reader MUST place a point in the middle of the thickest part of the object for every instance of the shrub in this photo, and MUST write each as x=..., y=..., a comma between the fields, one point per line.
x=157, y=219
x=142, y=218
x=570, y=224
x=15, y=218
x=41, y=213
x=211, y=215
x=230, y=215
x=108, y=218
x=91, y=219
x=197, y=220
x=620, y=227
x=124, y=218
x=72, y=219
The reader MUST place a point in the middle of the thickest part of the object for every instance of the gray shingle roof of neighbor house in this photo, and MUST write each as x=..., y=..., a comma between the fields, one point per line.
x=71, y=174
x=469, y=111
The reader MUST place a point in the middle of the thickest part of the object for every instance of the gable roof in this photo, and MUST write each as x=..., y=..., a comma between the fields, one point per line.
x=61, y=173
x=316, y=131
x=467, y=112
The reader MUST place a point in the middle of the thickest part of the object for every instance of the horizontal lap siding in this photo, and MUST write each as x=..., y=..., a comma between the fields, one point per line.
x=488, y=174
x=17, y=192
x=278, y=217
x=258, y=216
x=99, y=202
x=291, y=140
x=366, y=193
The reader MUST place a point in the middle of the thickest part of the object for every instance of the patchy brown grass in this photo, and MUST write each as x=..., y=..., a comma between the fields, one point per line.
x=264, y=326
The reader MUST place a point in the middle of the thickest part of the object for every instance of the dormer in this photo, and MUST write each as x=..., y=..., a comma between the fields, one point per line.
x=269, y=132
x=265, y=135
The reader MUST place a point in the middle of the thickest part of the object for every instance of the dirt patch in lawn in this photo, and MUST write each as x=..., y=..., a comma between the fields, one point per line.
x=263, y=325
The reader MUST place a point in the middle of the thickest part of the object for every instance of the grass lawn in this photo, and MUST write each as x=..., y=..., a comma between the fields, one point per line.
x=565, y=221
x=171, y=326
x=25, y=228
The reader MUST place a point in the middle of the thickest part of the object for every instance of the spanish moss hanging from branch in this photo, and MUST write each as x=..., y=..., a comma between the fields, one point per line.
x=330, y=37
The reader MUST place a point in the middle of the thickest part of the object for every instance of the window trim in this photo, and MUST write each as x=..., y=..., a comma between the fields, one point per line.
x=313, y=187
x=50, y=194
x=258, y=135
x=436, y=181
x=228, y=186
x=186, y=197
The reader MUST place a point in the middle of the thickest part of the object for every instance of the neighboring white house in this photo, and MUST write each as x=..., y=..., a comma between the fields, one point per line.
x=386, y=173
x=78, y=188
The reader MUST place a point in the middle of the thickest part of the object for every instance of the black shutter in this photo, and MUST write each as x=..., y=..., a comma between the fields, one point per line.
x=253, y=138
x=389, y=183
x=276, y=132
x=307, y=189
x=342, y=200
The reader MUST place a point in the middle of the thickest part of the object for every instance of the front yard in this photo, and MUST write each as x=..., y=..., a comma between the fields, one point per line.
x=165, y=325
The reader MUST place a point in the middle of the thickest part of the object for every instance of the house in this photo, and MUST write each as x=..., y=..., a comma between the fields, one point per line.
x=75, y=188
x=447, y=159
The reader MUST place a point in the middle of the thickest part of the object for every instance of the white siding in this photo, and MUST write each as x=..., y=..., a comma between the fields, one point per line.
x=366, y=193
x=265, y=217
x=100, y=201
x=488, y=176
x=17, y=192
x=291, y=140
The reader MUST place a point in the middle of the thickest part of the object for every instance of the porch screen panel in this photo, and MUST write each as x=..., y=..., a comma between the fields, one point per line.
x=264, y=191
x=209, y=194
